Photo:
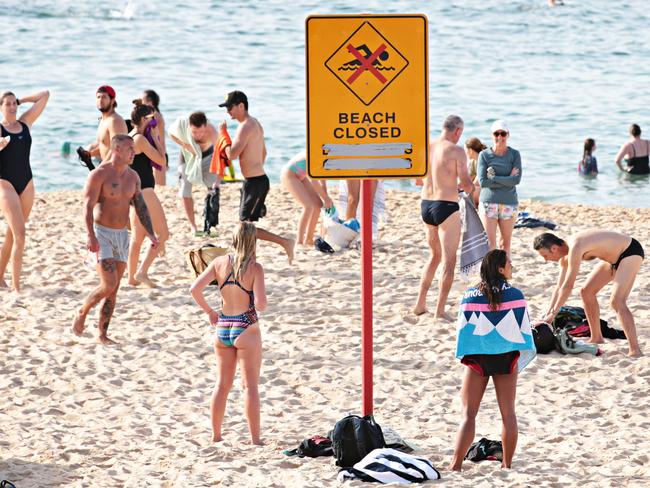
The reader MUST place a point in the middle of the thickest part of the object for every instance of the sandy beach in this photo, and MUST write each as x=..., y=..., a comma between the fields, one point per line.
x=75, y=413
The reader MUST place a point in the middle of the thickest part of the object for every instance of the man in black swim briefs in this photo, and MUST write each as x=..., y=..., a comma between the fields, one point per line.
x=439, y=210
x=621, y=257
x=248, y=145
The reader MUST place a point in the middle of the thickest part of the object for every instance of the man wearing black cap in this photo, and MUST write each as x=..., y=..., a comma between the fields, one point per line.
x=248, y=146
x=110, y=125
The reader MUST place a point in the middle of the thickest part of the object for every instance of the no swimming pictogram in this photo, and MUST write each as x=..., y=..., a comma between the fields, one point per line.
x=361, y=123
x=366, y=63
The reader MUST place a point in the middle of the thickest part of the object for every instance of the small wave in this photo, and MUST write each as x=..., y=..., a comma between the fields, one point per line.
x=127, y=13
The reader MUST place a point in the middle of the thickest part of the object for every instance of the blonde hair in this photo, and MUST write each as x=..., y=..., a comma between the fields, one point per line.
x=243, y=241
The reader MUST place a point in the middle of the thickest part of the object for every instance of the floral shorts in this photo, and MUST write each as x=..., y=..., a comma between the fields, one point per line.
x=499, y=210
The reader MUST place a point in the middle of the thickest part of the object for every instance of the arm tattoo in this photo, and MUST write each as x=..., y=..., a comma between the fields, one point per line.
x=142, y=213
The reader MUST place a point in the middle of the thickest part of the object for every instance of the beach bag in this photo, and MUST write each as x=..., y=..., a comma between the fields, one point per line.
x=391, y=466
x=199, y=259
x=485, y=449
x=353, y=437
x=567, y=345
x=543, y=337
x=338, y=235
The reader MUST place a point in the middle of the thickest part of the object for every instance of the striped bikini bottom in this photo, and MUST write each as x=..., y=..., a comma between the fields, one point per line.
x=230, y=327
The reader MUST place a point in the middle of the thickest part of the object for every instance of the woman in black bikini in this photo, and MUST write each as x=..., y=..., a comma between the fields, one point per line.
x=149, y=150
x=636, y=152
x=16, y=185
x=151, y=98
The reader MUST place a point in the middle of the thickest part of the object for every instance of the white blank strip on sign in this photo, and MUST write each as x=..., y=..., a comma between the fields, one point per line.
x=387, y=149
x=368, y=163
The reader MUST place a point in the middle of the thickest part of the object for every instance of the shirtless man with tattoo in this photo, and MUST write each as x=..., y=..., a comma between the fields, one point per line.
x=110, y=124
x=109, y=191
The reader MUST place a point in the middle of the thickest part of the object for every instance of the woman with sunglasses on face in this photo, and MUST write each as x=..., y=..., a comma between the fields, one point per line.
x=149, y=151
x=499, y=173
x=151, y=98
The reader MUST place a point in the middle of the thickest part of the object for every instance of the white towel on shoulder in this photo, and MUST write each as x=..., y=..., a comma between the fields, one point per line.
x=180, y=129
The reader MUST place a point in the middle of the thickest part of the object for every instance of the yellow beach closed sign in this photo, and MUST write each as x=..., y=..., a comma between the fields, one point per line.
x=367, y=96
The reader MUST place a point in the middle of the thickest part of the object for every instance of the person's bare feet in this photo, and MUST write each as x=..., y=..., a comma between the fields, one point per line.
x=145, y=280
x=257, y=442
x=290, y=247
x=216, y=438
x=635, y=353
x=419, y=310
x=444, y=316
x=78, y=323
x=134, y=282
x=600, y=340
x=106, y=340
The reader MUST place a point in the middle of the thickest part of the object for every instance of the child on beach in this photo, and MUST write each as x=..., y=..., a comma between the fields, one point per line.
x=494, y=339
x=237, y=337
x=588, y=164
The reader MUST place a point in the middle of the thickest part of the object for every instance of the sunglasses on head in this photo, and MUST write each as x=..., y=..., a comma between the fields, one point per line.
x=500, y=133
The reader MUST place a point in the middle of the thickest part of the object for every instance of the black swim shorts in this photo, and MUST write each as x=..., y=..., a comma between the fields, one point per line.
x=435, y=212
x=253, y=194
x=492, y=364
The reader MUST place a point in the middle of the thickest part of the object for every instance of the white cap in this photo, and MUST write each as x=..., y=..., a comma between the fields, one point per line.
x=499, y=125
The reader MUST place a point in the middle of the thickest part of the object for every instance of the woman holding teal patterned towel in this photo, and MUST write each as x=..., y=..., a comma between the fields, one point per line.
x=494, y=340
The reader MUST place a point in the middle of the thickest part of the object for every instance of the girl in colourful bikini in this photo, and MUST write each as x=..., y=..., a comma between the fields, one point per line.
x=238, y=339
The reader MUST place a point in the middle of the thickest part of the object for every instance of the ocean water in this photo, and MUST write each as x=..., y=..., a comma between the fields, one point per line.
x=558, y=75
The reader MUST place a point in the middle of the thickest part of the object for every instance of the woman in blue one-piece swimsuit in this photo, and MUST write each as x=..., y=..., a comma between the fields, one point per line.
x=16, y=185
x=241, y=284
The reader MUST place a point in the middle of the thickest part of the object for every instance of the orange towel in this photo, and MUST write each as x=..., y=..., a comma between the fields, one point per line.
x=219, y=159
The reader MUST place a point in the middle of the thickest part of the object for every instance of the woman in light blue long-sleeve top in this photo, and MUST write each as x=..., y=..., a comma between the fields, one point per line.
x=499, y=173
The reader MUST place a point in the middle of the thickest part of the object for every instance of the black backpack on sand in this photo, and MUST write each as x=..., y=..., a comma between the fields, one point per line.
x=353, y=437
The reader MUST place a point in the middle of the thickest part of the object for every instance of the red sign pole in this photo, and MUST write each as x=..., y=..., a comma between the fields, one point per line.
x=366, y=294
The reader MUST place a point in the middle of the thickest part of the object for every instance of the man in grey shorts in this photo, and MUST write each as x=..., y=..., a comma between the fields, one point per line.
x=111, y=188
x=205, y=136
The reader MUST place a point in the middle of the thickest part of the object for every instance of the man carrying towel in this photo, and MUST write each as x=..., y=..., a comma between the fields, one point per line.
x=439, y=210
x=621, y=257
x=110, y=190
x=110, y=125
x=203, y=137
x=248, y=146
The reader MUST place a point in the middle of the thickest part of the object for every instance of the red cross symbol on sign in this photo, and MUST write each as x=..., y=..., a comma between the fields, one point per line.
x=366, y=63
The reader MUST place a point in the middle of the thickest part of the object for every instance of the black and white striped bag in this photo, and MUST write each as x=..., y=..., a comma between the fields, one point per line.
x=391, y=466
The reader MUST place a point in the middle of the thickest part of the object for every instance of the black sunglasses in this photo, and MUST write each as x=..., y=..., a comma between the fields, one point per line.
x=500, y=133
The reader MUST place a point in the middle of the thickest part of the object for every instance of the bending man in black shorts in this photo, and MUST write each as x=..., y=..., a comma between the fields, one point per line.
x=248, y=146
x=621, y=257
